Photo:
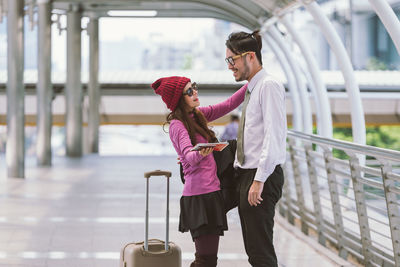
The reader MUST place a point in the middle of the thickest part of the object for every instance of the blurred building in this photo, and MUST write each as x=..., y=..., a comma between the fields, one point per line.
x=365, y=38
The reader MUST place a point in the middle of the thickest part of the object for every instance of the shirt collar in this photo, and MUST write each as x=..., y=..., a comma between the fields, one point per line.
x=257, y=77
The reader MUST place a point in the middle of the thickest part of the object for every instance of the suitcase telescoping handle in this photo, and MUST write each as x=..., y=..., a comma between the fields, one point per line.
x=147, y=175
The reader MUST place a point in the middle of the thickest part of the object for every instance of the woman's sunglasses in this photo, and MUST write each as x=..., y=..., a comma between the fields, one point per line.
x=190, y=90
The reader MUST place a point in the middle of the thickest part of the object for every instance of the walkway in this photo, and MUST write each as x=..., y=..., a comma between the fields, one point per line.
x=80, y=212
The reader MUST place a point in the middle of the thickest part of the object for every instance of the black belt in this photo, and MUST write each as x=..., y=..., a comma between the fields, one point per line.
x=241, y=170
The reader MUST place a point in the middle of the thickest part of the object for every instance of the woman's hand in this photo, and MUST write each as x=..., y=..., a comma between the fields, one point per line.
x=206, y=151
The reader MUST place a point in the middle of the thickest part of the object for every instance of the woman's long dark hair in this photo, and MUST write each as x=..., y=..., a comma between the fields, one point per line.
x=197, y=125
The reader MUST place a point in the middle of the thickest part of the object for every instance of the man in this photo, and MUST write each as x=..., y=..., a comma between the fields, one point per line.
x=230, y=131
x=261, y=147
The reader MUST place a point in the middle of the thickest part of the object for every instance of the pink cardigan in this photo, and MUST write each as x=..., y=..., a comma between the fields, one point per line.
x=201, y=172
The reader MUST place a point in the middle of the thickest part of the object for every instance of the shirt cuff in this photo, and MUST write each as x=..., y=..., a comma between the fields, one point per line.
x=262, y=175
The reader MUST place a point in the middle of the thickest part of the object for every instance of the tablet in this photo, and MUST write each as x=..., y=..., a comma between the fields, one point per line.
x=217, y=146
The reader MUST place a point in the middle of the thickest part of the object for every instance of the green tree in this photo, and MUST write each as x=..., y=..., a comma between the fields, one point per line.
x=379, y=136
x=375, y=64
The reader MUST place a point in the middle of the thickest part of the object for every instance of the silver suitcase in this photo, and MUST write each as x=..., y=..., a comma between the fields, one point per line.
x=153, y=252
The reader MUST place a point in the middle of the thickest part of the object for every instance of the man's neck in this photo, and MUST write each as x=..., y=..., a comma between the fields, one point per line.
x=256, y=70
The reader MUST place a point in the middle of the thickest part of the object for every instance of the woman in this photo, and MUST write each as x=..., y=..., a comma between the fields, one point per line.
x=202, y=208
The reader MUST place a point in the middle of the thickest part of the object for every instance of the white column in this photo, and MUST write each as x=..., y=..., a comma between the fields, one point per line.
x=73, y=92
x=352, y=89
x=44, y=85
x=389, y=20
x=93, y=88
x=320, y=89
x=311, y=85
x=301, y=86
x=15, y=151
x=296, y=109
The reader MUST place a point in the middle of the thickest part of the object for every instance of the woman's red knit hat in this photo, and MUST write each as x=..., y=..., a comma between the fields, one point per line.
x=170, y=89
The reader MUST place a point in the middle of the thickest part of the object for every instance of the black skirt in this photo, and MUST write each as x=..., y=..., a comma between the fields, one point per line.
x=203, y=214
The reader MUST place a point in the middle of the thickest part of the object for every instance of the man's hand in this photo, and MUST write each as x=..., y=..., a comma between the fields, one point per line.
x=255, y=191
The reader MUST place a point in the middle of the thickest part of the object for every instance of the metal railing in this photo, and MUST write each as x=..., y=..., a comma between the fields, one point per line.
x=348, y=194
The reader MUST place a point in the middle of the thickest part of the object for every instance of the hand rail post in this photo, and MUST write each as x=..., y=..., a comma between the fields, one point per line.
x=392, y=210
x=361, y=207
x=334, y=193
x=299, y=188
x=312, y=174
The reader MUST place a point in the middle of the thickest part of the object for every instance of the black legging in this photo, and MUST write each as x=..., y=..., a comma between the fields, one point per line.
x=207, y=244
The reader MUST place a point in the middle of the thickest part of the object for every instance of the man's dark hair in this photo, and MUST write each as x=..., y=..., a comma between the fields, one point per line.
x=240, y=42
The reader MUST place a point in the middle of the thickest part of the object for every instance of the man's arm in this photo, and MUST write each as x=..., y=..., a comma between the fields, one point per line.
x=272, y=101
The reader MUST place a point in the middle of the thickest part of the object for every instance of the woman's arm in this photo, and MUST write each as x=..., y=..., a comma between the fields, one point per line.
x=182, y=144
x=216, y=111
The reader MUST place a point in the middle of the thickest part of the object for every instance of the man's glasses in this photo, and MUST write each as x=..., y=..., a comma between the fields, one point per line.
x=191, y=89
x=231, y=60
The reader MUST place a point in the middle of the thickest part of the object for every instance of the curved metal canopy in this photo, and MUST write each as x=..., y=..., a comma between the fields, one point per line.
x=250, y=14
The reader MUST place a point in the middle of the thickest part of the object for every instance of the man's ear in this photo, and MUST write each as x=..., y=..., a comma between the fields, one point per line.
x=253, y=56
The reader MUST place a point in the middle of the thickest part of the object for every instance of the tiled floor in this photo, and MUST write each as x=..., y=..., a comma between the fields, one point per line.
x=81, y=212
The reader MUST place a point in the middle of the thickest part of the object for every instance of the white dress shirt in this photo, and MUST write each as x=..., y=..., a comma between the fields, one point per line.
x=265, y=128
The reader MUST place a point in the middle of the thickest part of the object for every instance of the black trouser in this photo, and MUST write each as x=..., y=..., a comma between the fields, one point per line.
x=258, y=221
